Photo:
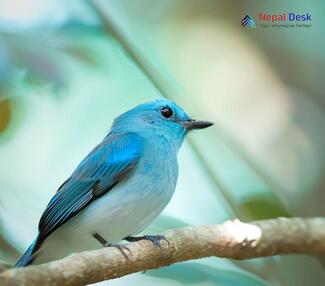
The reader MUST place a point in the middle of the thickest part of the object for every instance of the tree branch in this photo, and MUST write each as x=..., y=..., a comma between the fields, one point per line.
x=232, y=239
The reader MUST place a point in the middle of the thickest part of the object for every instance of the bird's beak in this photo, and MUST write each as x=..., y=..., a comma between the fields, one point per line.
x=196, y=124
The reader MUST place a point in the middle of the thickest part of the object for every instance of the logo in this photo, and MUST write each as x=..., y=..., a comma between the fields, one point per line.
x=278, y=20
x=285, y=20
x=248, y=21
x=284, y=17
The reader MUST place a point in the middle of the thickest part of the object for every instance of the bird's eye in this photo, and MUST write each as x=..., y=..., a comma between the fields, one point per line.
x=166, y=111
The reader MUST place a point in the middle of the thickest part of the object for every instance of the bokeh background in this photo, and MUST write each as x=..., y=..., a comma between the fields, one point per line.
x=64, y=77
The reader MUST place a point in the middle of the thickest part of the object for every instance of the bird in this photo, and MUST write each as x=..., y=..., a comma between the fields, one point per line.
x=119, y=188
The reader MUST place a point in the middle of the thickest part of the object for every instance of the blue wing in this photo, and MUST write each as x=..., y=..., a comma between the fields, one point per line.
x=109, y=163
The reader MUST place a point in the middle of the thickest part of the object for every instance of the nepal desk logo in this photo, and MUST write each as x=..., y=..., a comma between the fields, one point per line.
x=248, y=21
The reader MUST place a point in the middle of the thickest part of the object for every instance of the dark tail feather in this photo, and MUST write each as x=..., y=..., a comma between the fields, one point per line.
x=27, y=257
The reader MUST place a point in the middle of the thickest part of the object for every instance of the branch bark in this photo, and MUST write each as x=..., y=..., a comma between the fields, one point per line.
x=232, y=239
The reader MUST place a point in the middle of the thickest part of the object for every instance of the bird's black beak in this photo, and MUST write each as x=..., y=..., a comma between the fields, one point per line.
x=196, y=124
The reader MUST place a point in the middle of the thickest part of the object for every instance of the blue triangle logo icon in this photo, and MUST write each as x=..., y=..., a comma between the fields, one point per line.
x=248, y=21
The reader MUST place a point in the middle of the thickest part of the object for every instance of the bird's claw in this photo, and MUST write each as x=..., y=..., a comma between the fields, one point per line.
x=156, y=240
x=105, y=243
x=120, y=247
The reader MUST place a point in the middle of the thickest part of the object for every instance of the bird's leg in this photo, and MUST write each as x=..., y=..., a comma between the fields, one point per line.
x=100, y=239
x=155, y=239
x=105, y=243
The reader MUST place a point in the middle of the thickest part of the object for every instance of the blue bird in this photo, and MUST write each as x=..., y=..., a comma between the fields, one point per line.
x=116, y=191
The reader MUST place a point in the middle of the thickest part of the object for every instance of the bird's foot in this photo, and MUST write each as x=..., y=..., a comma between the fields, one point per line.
x=155, y=239
x=121, y=248
x=105, y=243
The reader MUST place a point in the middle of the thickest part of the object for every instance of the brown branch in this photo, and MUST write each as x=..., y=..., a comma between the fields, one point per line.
x=232, y=239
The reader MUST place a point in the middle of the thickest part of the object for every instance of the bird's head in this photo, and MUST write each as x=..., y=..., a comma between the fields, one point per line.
x=159, y=118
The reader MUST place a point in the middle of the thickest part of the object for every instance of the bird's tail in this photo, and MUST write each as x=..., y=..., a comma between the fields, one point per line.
x=27, y=257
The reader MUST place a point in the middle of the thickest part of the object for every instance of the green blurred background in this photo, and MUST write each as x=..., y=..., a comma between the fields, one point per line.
x=63, y=79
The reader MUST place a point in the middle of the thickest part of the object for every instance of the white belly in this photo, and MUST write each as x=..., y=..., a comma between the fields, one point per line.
x=125, y=210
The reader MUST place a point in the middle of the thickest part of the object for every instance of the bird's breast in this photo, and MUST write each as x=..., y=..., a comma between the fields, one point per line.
x=127, y=209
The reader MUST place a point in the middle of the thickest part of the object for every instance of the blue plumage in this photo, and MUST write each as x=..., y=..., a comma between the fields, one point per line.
x=125, y=162
x=27, y=256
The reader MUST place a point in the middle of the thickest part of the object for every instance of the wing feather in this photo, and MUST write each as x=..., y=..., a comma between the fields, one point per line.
x=109, y=163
